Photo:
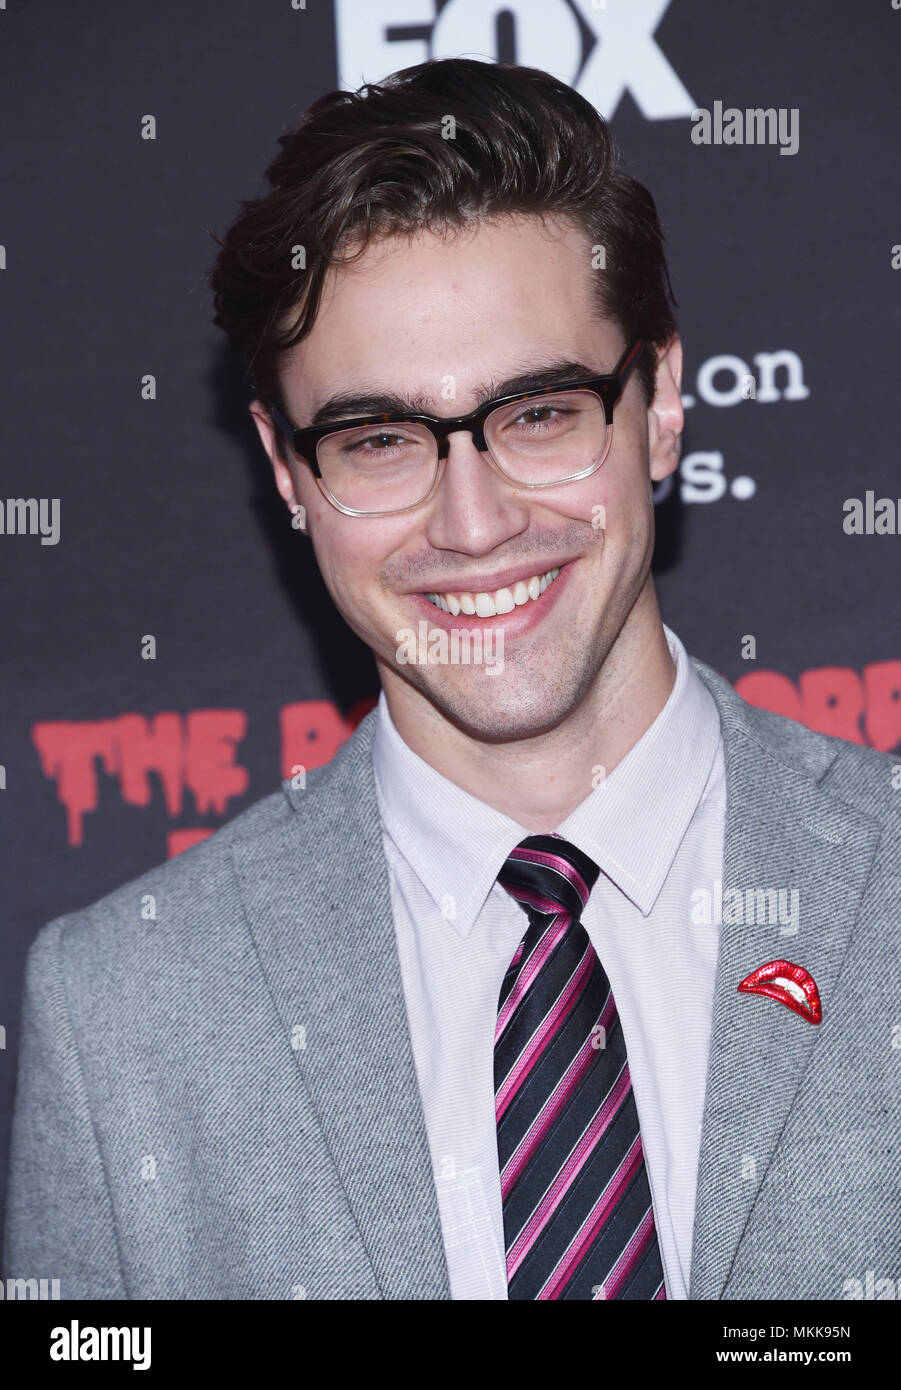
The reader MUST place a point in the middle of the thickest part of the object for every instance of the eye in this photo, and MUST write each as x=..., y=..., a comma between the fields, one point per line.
x=541, y=417
x=533, y=412
x=385, y=439
x=375, y=444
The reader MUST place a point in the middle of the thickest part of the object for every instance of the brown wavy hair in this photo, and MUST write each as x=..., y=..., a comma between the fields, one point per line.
x=372, y=163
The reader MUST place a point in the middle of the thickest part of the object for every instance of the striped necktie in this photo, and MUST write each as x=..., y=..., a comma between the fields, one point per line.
x=578, y=1220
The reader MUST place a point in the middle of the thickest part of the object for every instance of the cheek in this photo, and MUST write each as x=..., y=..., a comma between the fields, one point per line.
x=623, y=487
x=343, y=564
x=351, y=555
x=348, y=577
x=596, y=502
x=593, y=503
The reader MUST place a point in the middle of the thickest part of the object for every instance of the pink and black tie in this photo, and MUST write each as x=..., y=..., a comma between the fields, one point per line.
x=578, y=1220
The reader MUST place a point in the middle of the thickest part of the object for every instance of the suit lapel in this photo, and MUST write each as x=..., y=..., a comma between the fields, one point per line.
x=782, y=831
x=317, y=898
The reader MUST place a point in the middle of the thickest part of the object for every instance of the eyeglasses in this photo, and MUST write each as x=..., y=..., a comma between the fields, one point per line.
x=378, y=465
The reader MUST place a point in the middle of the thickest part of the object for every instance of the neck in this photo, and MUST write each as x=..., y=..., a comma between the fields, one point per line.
x=539, y=781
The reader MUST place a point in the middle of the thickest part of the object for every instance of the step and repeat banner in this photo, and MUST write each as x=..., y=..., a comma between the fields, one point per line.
x=168, y=648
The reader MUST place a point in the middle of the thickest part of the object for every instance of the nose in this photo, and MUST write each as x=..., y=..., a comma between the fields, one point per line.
x=474, y=509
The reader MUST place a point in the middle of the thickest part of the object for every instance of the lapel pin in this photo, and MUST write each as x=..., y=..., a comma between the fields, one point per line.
x=790, y=984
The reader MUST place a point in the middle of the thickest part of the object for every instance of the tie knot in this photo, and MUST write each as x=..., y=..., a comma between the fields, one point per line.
x=548, y=873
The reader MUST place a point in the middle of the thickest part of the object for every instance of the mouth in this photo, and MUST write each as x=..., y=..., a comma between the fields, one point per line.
x=495, y=603
x=788, y=983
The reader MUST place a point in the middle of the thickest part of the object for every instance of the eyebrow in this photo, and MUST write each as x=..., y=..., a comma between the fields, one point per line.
x=348, y=405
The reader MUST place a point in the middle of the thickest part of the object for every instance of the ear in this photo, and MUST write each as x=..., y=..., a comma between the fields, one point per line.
x=666, y=418
x=284, y=480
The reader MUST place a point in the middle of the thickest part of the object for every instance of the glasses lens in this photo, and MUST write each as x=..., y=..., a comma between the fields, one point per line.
x=379, y=468
x=550, y=438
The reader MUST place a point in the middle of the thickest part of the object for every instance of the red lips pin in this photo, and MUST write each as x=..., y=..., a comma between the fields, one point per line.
x=789, y=983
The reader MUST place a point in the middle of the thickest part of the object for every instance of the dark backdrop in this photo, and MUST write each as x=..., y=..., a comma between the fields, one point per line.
x=169, y=523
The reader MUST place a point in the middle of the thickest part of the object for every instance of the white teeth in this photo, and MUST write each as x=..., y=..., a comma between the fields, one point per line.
x=794, y=989
x=485, y=605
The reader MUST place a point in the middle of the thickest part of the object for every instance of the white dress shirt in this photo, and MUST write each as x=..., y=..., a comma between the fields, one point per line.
x=655, y=828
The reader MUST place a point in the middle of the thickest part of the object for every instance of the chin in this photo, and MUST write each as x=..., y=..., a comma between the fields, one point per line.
x=493, y=709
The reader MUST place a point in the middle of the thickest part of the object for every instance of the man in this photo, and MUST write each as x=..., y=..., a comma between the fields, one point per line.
x=458, y=1017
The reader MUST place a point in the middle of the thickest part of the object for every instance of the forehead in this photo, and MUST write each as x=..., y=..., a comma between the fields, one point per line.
x=440, y=315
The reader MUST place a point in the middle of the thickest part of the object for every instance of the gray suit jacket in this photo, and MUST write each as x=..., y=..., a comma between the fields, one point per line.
x=217, y=1096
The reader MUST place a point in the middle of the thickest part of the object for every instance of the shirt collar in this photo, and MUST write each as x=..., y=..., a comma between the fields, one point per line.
x=457, y=844
x=633, y=823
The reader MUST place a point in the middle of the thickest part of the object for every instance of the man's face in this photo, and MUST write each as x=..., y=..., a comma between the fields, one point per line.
x=439, y=319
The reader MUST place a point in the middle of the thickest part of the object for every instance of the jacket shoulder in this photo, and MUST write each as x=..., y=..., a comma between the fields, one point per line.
x=195, y=897
x=860, y=776
x=868, y=780
x=191, y=889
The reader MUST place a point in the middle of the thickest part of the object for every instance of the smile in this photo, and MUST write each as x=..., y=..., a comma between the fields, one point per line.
x=485, y=605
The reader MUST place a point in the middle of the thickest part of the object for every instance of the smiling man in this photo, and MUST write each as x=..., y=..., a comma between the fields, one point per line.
x=455, y=1019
